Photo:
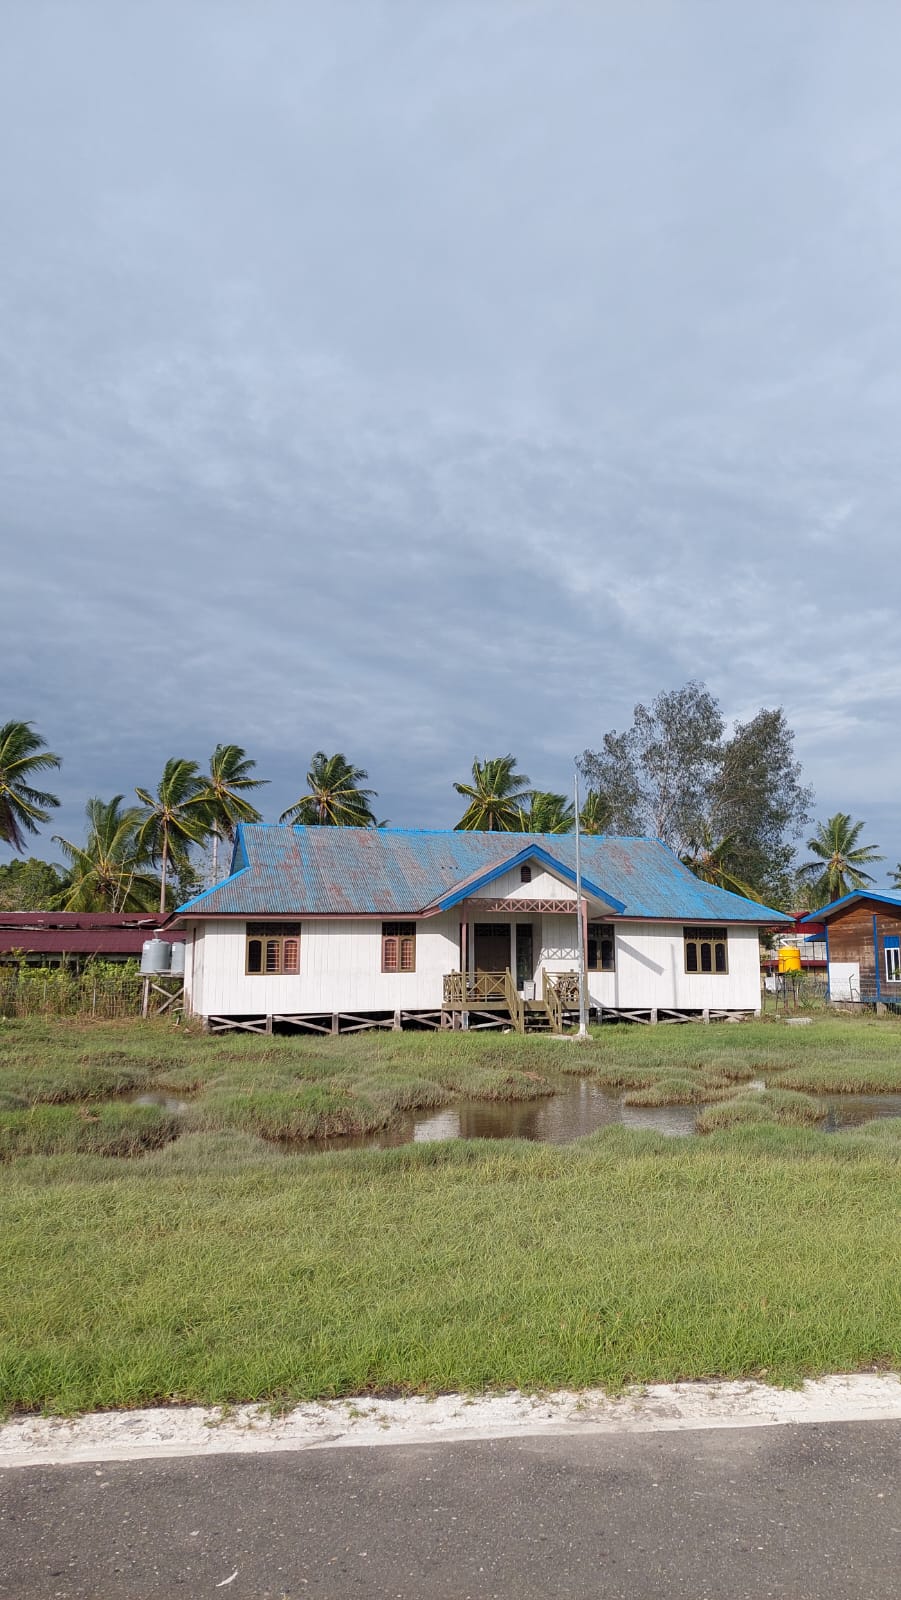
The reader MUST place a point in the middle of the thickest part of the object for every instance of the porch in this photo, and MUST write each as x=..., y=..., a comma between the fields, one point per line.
x=491, y=1000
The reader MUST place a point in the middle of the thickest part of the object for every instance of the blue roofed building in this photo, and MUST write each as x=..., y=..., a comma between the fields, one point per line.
x=863, y=947
x=331, y=929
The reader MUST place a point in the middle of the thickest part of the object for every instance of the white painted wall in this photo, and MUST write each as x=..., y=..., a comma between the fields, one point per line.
x=844, y=980
x=650, y=968
x=340, y=965
x=543, y=886
x=340, y=970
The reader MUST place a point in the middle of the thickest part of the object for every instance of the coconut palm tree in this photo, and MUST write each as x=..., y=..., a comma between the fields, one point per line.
x=229, y=775
x=547, y=813
x=23, y=753
x=496, y=796
x=334, y=798
x=839, y=860
x=109, y=871
x=596, y=814
x=177, y=816
x=712, y=860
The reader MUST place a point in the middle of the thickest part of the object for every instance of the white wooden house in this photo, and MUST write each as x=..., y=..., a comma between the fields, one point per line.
x=332, y=929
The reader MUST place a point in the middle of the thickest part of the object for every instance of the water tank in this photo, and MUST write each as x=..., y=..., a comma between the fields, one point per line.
x=177, y=969
x=789, y=960
x=156, y=955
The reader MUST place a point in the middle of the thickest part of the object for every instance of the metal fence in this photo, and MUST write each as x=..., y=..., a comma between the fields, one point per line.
x=103, y=989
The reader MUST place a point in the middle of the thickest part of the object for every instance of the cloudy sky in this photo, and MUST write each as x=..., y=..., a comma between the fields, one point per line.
x=427, y=380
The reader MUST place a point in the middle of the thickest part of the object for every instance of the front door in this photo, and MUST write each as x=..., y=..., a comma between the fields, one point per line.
x=491, y=946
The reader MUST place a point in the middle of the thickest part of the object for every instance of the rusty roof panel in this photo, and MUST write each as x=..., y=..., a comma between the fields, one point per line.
x=294, y=871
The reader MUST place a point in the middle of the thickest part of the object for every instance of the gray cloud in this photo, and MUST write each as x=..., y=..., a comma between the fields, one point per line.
x=423, y=382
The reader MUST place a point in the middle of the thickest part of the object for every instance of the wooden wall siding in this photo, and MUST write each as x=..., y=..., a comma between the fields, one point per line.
x=544, y=886
x=851, y=941
x=340, y=969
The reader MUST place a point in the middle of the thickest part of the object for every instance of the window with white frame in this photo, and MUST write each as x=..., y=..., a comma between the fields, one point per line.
x=892, y=949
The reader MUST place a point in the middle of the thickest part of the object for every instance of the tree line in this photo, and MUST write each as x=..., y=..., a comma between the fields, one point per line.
x=730, y=806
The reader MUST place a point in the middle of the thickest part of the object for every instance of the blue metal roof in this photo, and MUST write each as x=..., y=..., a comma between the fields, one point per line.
x=882, y=896
x=279, y=870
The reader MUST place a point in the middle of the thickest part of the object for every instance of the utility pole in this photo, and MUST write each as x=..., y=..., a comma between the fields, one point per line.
x=583, y=973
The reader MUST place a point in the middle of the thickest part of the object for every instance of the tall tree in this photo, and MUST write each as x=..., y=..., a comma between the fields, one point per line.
x=596, y=815
x=334, y=796
x=676, y=776
x=496, y=796
x=713, y=860
x=177, y=816
x=760, y=803
x=657, y=776
x=31, y=885
x=109, y=872
x=225, y=786
x=547, y=813
x=23, y=753
x=837, y=867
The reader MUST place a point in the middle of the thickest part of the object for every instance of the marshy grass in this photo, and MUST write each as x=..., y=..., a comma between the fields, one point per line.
x=216, y=1271
x=769, y=1105
x=103, y=1130
x=680, y=1089
x=311, y=1087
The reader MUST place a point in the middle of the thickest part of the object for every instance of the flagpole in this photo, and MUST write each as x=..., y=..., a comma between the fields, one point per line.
x=583, y=974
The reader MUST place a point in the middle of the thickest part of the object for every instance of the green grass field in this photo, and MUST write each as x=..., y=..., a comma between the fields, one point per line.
x=152, y=1257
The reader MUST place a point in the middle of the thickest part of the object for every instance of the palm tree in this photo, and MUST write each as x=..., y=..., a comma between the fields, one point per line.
x=712, y=860
x=596, y=814
x=22, y=753
x=496, y=796
x=334, y=798
x=106, y=872
x=177, y=816
x=229, y=774
x=839, y=863
x=896, y=877
x=547, y=813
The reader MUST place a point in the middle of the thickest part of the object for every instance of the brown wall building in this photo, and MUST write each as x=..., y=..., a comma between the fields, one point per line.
x=863, y=947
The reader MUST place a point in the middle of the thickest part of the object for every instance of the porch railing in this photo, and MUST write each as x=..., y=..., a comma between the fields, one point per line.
x=559, y=993
x=514, y=1003
x=474, y=988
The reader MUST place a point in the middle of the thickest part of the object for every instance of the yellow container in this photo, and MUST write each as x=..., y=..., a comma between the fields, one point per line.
x=789, y=959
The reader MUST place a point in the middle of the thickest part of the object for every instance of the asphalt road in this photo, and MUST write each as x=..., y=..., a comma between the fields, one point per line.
x=799, y=1513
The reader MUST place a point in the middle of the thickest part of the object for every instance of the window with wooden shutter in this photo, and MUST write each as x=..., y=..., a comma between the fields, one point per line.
x=398, y=946
x=272, y=949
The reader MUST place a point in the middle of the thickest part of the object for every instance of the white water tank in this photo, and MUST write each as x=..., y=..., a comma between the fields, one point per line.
x=177, y=968
x=156, y=956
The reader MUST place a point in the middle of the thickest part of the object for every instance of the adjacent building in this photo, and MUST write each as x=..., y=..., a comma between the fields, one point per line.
x=863, y=947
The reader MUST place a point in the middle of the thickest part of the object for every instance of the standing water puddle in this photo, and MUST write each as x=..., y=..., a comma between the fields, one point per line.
x=577, y=1108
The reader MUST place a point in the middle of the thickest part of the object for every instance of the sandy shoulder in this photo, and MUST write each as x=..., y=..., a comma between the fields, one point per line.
x=199, y=1431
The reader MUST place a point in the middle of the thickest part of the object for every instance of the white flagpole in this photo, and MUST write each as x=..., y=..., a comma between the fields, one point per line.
x=583, y=974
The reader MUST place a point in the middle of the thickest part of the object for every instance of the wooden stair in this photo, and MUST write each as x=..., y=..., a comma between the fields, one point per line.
x=536, y=1017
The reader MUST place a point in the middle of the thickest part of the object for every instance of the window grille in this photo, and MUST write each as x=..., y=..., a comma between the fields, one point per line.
x=398, y=946
x=272, y=949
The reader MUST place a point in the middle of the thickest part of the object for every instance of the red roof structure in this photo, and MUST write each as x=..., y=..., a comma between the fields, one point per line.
x=77, y=933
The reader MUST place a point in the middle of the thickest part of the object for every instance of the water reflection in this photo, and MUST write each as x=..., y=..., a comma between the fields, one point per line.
x=579, y=1107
